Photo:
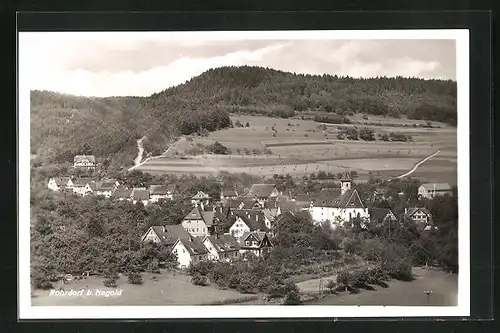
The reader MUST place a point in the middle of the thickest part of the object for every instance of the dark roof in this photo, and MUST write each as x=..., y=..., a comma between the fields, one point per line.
x=208, y=217
x=346, y=177
x=249, y=203
x=234, y=203
x=122, y=192
x=270, y=203
x=259, y=235
x=107, y=186
x=327, y=197
x=304, y=198
x=194, y=246
x=81, y=158
x=224, y=243
x=437, y=187
x=229, y=193
x=82, y=181
x=253, y=219
x=158, y=189
x=350, y=199
x=262, y=190
x=140, y=194
x=60, y=181
x=169, y=234
x=289, y=206
x=198, y=214
x=378, y=214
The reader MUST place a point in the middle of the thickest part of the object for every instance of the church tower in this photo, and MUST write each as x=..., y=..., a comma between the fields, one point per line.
x=345, y=183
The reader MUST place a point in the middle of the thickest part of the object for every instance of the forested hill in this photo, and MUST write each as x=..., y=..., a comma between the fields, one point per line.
x=64, y=125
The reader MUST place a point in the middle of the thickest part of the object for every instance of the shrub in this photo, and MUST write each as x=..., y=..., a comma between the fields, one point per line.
x=400, y=270
x=202, y=268
x=247, y=124
x=135, y=278
x=366, y=134
x=292, y=298
x=199, y=280
x=234, y=281
x=264, y=284
x=246, y=284
x=41, y=282
x=110, y=283
x=331, y=285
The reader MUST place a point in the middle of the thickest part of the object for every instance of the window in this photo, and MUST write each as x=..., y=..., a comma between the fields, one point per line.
x=247, y=243
x=183, y=251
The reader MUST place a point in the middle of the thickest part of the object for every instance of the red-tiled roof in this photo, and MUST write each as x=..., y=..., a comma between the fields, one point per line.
x=223, y=243
x=194, y=246
x=437, y=187
x=140, y=194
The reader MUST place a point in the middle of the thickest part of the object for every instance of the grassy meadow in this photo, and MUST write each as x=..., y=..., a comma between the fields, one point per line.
x=300, y=147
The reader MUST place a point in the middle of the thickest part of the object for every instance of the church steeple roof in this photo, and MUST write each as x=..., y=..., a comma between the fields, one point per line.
x=345, y=177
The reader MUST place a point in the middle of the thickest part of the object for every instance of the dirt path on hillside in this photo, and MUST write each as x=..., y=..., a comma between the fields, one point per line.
x=138, y=161
x=415, y=167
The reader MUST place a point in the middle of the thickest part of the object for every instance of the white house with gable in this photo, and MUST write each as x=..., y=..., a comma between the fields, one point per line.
x=333, y=204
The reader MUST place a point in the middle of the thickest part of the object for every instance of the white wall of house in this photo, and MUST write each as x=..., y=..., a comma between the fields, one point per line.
x=321, y=214
x=157, y=197
x=106, y=194
x=257, y=252
x=53, y=185
x=184, y=258
x=213, y=254
x=238, y=228
x=151, y=237
x=195, y=227
x=422, y=191
x=420, y=217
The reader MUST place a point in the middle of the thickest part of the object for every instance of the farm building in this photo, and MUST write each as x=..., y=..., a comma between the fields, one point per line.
x=199, y=222
x=431, y=190
x=122, y=193
x=263, y=192
x=106, y=189
x=140, y=195
x=200, y=198
x=256, y=242
x=84, y=161
x=59, y=183
x=380, y=215
x=334, y=204
x=84, y=186
x=420, y=215
x=189, y=251
x=165, y=234
x=247, y=221
x=161, y=192
x=221, y=247
x=228, y=194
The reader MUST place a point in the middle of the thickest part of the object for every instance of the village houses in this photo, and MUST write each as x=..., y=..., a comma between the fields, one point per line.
x=59, y=183
x=140, y=195
x=262, y=192
x=430, y=190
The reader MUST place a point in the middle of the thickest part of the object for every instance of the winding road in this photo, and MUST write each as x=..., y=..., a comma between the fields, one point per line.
x=415, y=167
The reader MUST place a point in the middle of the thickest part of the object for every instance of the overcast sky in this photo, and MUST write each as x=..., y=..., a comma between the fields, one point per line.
x=125, y=64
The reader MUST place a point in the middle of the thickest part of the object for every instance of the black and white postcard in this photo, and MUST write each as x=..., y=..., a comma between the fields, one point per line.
x=274, y=174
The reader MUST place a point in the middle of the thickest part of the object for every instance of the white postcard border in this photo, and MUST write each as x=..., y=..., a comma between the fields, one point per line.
x=26, y=311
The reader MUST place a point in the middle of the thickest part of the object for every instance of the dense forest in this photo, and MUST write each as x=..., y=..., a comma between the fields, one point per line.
x=64, y=125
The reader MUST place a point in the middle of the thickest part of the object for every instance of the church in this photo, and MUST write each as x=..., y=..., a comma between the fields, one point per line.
x=333, y=204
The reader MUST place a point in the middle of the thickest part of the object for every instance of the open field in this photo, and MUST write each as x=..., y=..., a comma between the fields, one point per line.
x=167, y=290
x=399, y=293
x=300, y=147
x=443, y=285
